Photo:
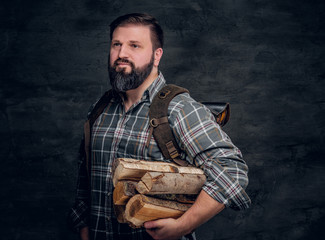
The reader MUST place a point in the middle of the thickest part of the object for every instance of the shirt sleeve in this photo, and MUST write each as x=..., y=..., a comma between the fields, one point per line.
x=205, y=145
x=79, y=213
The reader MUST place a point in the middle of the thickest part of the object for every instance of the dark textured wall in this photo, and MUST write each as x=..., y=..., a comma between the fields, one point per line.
x=265, y=57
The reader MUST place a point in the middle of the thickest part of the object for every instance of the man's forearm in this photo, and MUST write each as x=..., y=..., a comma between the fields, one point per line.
x=204, y=208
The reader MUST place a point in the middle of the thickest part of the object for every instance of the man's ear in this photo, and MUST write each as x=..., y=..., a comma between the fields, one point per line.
x=157, y=56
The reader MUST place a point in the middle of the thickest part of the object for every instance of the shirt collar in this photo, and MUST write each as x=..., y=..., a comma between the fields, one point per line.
x=154, y=88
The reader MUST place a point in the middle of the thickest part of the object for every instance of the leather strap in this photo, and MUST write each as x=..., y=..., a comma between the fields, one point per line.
x=100, y=106
x=159, y=125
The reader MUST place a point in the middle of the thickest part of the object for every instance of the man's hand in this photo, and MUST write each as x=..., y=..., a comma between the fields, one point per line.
x=168, y=229
x=84, y=233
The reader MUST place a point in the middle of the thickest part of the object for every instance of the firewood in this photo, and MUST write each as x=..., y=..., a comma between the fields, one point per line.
x=131, y=169
x=123, y=191
x=182, y=198
x=141, y=209
x=170, y=183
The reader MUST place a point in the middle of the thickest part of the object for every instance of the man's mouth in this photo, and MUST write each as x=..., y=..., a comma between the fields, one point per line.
x=122, y=64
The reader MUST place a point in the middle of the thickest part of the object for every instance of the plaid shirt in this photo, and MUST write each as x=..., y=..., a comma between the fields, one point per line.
x=120, y=134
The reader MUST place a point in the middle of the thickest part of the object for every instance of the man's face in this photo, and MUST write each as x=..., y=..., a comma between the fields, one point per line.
x=131, y=57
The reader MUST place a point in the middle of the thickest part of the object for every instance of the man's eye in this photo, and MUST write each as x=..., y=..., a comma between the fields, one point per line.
x=135, y=46
x=116, y=44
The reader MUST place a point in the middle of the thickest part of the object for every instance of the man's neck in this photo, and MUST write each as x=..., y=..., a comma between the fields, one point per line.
x=134, y=95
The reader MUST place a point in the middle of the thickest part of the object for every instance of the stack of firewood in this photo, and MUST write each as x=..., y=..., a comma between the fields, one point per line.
x=146, y=190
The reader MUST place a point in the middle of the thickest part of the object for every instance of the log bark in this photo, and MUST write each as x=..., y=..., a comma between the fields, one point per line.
x=123, y=191
x=131, y=169
x=141, y=209
x=170, y=183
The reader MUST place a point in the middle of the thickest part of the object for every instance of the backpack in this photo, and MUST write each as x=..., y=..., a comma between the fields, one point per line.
x=158, y=120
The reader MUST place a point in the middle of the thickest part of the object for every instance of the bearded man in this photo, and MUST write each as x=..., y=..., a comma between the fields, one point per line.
x=122, y=131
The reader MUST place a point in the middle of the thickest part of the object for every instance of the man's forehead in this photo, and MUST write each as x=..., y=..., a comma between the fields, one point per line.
x=139, y=32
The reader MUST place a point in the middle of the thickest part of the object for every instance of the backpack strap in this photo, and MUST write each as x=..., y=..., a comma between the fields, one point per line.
x=159, y=125
x=94, y=114
x=100, y=106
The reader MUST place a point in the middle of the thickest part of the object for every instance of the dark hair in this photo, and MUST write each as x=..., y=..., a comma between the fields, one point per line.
x=157, y=35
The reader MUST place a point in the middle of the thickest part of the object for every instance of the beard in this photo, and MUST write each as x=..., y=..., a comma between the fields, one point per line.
x=122, y=81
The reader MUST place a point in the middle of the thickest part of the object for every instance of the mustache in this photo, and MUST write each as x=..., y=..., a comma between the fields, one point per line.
x=123, y=60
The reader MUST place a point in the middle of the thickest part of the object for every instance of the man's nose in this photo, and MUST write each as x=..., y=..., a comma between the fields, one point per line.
x=123, y=53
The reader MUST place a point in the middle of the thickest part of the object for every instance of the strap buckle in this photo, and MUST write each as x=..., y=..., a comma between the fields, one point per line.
x=152, y=123
x=172, y=150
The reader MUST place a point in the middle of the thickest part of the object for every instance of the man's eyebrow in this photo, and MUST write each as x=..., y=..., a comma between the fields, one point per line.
x=134, y=41
x=131, y=41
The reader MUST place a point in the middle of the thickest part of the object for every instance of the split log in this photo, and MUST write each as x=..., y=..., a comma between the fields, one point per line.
x=141, y=209
x=131, y=169
x=123, y=191
x=182, y=198
x=170, y=183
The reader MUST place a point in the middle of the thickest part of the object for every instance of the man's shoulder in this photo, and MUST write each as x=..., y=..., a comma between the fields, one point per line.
x=103, y=101
x=182, y=100
x=185, y=104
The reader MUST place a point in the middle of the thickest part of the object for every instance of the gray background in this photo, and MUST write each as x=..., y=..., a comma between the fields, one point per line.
x=264, y=57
